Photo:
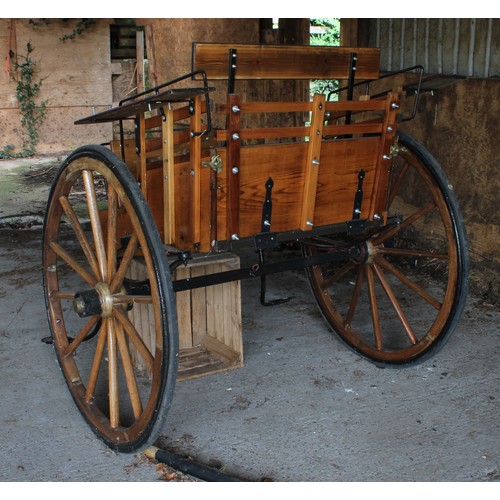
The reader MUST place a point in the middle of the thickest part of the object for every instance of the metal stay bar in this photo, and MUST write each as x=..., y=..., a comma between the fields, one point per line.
x=257, y=270
x=367, y=83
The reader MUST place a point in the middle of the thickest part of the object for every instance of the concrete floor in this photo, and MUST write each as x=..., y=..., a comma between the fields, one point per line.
x=304, y=408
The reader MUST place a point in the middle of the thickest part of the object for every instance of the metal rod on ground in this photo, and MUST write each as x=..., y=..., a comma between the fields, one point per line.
x=186, y=466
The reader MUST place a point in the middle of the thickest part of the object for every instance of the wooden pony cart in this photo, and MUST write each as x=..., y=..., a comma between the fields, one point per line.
x=141, y=237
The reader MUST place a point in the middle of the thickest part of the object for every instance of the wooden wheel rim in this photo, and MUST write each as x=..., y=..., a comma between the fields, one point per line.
x=114, y=435
x=368, y=271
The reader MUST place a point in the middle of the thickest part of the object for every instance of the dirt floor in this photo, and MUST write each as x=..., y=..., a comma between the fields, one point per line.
x=304, y=408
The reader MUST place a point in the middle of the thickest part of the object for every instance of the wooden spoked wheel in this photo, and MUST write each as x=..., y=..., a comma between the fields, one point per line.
x=97, y=226
x=401, y=300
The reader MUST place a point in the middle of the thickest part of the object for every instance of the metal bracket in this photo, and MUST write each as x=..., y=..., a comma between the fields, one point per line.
x=358, y=197
x=356, y=226
x=215, y=164
x=267, y=239
x=267, y=207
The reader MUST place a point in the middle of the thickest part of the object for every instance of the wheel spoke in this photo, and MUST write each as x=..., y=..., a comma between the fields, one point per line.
x=56, y=295
x=80, y=234
x=377, y=331
x=336, y=276
x=96, y=363
x=60, y=252
x=81, y=335
x=132, y=299
x=95, y=222
x=397, y=183
x=114, y=404
x=395, y=304
x=118, y=278
x=385, y=235
x=408, y=282
x=112, y=220
x=135, y=337
x=129, y=370
x=406, y=252
x=355, y=297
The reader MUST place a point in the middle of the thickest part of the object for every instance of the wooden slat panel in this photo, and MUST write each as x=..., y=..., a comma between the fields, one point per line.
x=341, y=161
x=285, y=62
x=285, y=164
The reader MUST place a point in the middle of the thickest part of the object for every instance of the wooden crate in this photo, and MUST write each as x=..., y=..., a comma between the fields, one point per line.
x=209, y=319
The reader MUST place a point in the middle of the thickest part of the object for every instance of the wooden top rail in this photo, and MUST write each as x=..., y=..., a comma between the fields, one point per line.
x=285, y=61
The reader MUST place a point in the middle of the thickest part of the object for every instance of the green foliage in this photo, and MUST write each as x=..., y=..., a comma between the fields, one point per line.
x=329, y=34
x=81, y=26
x=32, y=114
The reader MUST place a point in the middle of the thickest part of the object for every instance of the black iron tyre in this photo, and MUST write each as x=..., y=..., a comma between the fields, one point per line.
x=402, y=301
x=122, y=386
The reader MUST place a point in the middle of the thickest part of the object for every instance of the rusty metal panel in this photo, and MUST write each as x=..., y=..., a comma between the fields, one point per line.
x=452, y=47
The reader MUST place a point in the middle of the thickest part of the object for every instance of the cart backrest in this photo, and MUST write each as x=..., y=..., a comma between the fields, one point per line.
x=293, y=62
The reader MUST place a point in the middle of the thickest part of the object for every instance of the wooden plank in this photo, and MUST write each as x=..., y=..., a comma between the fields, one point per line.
x=183, y=302
x=312, y=164
x=265, y=133
x=168, y=178
x=285, y=62
x=198, y=308
x=219, y=349
x=276, y=107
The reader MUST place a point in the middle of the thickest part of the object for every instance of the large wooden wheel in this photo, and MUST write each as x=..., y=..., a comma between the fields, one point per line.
x=401, y=300
x=97, y=225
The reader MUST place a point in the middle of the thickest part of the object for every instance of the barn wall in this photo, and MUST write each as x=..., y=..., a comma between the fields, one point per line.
x=457, y=118
x=459, y=47
x=75, y=75
x=459, y=125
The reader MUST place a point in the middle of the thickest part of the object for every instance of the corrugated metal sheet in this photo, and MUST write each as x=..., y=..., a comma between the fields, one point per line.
x=459, y=47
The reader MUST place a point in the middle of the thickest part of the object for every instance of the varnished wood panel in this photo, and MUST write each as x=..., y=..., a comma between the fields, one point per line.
x=285, y=164
x=341, y=161
x=285, y=62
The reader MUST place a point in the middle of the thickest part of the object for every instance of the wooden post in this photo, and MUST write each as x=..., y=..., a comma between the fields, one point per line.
x=195, y=156
x=313, y=162
x=167, y=134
